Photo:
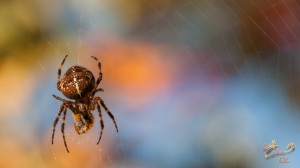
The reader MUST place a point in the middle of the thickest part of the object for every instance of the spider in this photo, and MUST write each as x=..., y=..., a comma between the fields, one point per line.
x=78, y=84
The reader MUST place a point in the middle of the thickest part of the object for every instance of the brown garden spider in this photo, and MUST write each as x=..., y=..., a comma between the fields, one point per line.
x=78, y=84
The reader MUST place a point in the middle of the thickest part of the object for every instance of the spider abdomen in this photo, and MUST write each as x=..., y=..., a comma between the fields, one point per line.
x=76, y=82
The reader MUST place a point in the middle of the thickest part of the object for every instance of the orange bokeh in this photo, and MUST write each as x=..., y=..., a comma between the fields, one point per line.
x=138, y=70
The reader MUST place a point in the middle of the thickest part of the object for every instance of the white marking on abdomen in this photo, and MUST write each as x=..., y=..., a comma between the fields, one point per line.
x=77, y=87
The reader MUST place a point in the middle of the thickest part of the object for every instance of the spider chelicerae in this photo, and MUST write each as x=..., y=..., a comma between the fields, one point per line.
x=79, y=84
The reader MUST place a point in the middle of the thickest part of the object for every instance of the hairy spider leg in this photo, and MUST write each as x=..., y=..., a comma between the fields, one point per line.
x=67, y=103
x=100, y=73
x=61, y=99
x=97, y=90
x=63, y=129
x=59, y=70
x=101, y=122
x=62, y=107
x=107, y=111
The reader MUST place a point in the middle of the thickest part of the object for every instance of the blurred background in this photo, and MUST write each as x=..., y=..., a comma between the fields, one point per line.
x=191, y=83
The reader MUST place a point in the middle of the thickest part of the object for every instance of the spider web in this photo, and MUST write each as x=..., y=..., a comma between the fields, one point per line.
x=253, y=45
x=237, y=68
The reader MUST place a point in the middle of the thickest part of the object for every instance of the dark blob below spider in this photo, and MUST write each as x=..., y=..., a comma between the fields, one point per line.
x=78, y=84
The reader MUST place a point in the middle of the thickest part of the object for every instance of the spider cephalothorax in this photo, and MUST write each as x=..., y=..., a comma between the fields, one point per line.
x=79, y=84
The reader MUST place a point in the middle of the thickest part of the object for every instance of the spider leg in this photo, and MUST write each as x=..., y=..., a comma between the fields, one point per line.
x=63, y=129
x=59, y=70
x=97, y=90
x=67, y=103
x=62, y=107
x=108, y=112
x=101, y=122
x=61, y=99
x=100, y=72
